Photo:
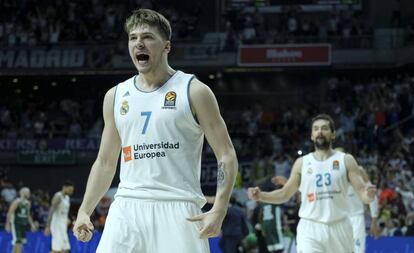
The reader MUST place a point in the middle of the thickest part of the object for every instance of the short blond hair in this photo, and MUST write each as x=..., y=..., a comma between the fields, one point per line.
x=151, y=18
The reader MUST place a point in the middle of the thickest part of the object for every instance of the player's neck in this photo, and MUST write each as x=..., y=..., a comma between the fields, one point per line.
x=23, y=200
x=323, y=154
x=153, y=80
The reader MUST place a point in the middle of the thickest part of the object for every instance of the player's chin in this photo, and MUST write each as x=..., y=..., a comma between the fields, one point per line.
x=142, y=69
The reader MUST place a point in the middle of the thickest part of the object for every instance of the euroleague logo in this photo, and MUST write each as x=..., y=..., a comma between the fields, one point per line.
x=169, y=100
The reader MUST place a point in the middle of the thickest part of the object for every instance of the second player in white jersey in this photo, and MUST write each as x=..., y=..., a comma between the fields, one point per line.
x=323, y=178
x=357, y=217
x=62, y=210
x=58, y=219
x=323, y=186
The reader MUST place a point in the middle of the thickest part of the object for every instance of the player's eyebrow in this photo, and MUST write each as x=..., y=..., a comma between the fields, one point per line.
x=144, y=33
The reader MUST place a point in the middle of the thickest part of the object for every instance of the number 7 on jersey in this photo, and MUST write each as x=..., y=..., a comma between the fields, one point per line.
x=147, y=116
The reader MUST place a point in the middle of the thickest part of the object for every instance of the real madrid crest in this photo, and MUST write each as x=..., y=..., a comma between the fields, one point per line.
x=124, y=107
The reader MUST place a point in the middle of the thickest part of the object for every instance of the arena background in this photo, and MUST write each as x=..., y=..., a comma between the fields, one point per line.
x=272, y=65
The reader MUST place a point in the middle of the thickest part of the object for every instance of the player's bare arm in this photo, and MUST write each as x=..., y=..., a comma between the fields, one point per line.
x=102, y=172
x=206, y=109
x=365, y=190
x=278, y=180
x=10, y=213
x=210, y=199
x=55, y=203
x=281, y=195
x=373, y=207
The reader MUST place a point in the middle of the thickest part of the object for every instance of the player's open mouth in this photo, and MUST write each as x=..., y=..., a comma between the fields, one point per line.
x=142, y=58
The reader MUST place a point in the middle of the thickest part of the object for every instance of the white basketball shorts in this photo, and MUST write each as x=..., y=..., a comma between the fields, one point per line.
x=149, y=226
x=59, y=232
x=316, y=237
x=358, y=227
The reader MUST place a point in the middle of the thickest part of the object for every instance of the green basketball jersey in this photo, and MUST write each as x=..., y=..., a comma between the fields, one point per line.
x=22, y=213
x=272, y=226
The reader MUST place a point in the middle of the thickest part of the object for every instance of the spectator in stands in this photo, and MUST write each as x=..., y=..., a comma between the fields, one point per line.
x=8, y=193
x=234, y=228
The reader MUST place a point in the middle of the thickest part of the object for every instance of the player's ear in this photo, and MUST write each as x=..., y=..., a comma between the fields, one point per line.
x=167, y=47
x=311, y=136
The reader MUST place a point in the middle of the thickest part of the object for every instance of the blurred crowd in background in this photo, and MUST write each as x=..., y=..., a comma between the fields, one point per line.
x=45, y=22
x=374, y=117
x=374, y=122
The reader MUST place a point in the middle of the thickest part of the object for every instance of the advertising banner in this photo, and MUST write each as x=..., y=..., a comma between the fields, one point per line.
x=284, y=55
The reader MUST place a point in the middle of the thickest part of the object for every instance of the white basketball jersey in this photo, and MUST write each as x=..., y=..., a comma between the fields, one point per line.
x=161, y=141
x=356, y=207
x=62, y=210
x=324, y=187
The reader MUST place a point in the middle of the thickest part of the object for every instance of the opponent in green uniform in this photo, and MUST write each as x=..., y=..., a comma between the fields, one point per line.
x=18, y=219
x=271, y=222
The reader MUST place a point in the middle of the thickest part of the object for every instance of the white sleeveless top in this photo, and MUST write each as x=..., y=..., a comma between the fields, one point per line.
x=62, y=210
x=161, y=141
x=356, y=207
x=324, y=186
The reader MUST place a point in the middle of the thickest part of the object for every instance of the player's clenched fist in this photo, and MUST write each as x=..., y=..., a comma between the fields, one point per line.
x=254, y=193
x=371, y=190
x=83, y=227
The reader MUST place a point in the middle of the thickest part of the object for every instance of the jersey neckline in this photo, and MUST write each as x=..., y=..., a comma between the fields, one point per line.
x=313, y=156
x=136, y=84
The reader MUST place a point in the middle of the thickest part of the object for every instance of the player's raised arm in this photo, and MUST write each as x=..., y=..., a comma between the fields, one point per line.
x=281, y=195
x=206, y=109
x=365, y=190
x=102, y=172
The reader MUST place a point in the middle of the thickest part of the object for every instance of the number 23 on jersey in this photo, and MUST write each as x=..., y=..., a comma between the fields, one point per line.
x=323, y=179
